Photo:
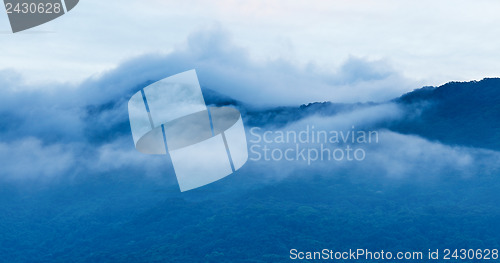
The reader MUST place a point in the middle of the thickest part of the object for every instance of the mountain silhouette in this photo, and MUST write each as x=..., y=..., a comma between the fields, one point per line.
x=135, y=213
x=457, y=113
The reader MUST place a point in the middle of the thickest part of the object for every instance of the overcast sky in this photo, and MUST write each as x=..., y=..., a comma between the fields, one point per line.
x=423, y=42
x=65, y=85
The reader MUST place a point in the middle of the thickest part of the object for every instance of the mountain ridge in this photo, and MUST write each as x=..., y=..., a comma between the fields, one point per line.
x=456, y=113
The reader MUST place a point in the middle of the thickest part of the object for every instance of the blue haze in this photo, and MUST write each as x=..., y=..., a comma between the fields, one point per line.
x=73, y=188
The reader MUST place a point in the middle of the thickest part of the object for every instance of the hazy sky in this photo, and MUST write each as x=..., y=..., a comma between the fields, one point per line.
x=67, y=83
x=426, y=42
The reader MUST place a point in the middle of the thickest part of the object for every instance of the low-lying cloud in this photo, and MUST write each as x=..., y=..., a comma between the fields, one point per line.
x=383, y=154
x=50, y=131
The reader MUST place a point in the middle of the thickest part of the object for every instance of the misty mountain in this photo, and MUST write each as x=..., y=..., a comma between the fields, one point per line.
x=457, y=113
x=105, y=202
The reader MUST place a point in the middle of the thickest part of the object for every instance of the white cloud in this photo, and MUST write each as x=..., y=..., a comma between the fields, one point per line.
x=29, y=158
x=44, y=126
x=429, y=40
x=225, y=67
x=393, y=156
